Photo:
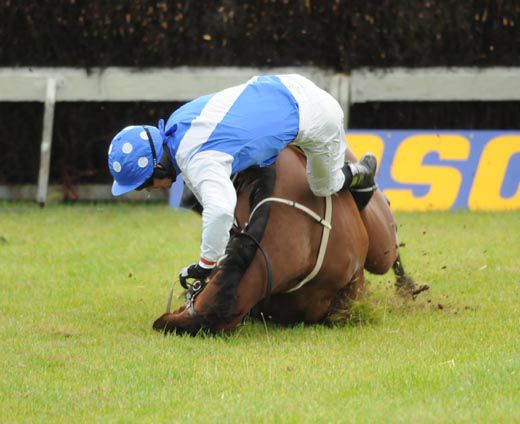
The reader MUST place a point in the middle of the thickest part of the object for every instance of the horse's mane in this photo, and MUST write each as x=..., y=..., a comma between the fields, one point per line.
x=240, y=251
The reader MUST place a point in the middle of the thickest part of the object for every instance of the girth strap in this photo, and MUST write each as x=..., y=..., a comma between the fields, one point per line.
x=323, y=221
x=323, y=246
x=324, y=235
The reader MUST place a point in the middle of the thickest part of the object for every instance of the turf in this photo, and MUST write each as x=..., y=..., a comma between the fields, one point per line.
x=80, y=286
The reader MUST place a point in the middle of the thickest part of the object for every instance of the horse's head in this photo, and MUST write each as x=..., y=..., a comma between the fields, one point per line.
x=211, y=307
x=179, y=322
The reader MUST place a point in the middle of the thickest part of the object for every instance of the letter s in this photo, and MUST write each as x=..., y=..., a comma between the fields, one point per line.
x=444, y=181
x=360, y=143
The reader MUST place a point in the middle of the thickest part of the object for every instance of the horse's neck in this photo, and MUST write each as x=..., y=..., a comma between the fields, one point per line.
x=286, y=233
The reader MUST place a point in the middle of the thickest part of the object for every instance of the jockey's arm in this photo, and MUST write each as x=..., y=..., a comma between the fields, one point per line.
x=209, y=175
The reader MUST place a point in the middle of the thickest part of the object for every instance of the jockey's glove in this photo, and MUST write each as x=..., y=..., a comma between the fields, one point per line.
x=194, y=271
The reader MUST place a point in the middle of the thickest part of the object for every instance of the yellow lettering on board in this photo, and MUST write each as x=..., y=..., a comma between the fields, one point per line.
x=485, y=193
x=444, y=181
x=363, y=143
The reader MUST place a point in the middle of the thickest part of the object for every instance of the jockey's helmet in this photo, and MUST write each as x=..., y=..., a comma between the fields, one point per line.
x=133, y=155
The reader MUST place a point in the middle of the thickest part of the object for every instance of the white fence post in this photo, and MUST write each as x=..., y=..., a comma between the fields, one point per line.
x=45, y=149
x=344, y=97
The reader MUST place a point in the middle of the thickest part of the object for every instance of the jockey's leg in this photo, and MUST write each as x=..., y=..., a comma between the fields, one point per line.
x=324, y=145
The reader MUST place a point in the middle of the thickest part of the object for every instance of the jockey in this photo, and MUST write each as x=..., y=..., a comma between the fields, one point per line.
x=215, y=136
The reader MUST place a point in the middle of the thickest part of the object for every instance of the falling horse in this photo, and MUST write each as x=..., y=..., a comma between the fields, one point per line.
x=292, y=256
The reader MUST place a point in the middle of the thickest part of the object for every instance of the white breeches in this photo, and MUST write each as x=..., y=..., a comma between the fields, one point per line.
x=321, y=135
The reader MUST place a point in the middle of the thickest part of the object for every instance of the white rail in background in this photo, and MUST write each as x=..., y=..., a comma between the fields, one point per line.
x=435, y=84
x=132, y=84
x=50, y=85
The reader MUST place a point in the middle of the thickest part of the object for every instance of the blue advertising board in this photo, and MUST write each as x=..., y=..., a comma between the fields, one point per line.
x=439, y=170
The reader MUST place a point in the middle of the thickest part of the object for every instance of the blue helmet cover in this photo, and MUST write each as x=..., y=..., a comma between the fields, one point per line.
x=130, y=158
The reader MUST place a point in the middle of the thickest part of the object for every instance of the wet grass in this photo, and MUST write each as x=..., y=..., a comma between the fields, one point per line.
x=80, y=286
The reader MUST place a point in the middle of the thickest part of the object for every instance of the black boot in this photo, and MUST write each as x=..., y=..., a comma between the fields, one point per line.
x=360, y=179
x=360, y=176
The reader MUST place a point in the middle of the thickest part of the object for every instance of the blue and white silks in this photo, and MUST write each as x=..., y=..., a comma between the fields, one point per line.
x=251, y=122
x=218, y=135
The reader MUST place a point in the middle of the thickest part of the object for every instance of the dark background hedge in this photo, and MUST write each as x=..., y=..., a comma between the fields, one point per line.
x=335, y=34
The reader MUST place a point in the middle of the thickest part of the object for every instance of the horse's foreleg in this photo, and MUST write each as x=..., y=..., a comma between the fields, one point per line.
x=341, y=306
x=309, y=304
x=383, y=249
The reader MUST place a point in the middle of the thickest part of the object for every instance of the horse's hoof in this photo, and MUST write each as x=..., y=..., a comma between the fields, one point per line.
x=419, y=290
x=411, y=290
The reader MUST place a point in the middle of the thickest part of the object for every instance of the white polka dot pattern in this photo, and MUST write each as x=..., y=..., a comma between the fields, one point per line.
x=127, y=148
x=143, y=135
x=116, y=166
x=142, y=162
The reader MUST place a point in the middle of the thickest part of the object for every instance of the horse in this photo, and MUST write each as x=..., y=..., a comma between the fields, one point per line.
x=275, y=245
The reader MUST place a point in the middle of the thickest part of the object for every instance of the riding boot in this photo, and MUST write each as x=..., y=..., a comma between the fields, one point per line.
x=360, y=176
x=359, y=179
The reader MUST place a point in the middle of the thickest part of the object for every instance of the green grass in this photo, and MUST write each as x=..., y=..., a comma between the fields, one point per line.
x=80, y=286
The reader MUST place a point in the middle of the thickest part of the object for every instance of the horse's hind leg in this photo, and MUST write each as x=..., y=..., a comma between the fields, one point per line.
x=383, y=244
x=383, y=249
x=402, y=281
x=404, y=284
x=381, y=228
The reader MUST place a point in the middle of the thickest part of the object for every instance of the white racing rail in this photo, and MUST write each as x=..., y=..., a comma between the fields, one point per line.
x=51, y=85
